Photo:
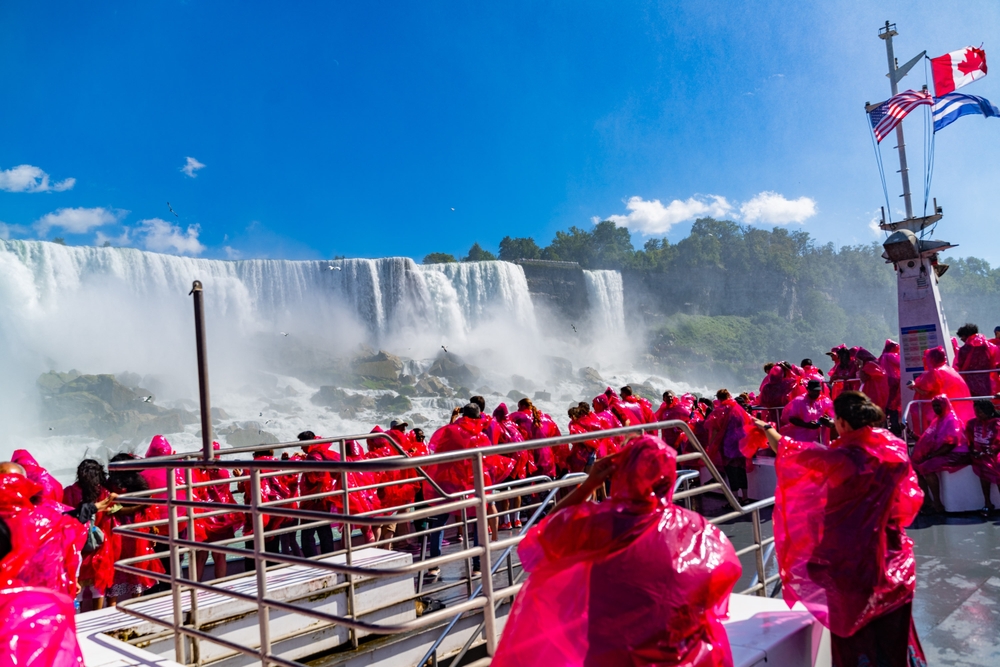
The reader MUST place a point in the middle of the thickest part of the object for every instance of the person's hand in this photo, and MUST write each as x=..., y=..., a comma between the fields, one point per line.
x=603, y=468
x=911, y=384
x=760, y=424
x=826, y=421
x=103, y=505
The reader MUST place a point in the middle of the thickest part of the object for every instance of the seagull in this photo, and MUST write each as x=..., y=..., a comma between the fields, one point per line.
x=335, y=268
x=453, y=208
x=444, y=348
x=262, y=414
x=268, y=421
x=50, y=428
x=574, y=328
x=147, y=399
x=282, y=333
x=172, y=210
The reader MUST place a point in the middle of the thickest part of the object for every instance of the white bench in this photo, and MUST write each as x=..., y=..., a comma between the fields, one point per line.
x=961, y=491
x=764, y=632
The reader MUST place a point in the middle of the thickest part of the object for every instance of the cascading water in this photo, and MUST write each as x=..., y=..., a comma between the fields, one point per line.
x=607, y=303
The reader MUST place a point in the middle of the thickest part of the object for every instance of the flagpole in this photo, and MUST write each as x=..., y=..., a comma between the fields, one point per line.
x=887, y=34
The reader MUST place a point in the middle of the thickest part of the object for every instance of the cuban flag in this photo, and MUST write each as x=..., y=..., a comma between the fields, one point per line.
x=956, y=69
x=951, y=107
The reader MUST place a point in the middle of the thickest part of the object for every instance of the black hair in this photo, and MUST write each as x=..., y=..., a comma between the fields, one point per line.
x=986, y=406
x=966, y=330
x=573, y=412
x=480, y=401
x=857, y=410
x=126, y=481
x=472, y=411
x=723, y=395
x=417, y=432
x=625, y=391
x=263, y=452
x=668, y=392
x=306, y=435
x=768, y=366
x=806, y=362
x=584, y=408
x=5, y=543
x=91, y=478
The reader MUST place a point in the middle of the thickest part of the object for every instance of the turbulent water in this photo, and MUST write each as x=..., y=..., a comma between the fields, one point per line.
x=109, y=310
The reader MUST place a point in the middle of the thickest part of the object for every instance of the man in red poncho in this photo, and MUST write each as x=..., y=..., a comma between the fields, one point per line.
x=635, y=580
x=839, y=519
x=675, y=408
x=466, y=432
x=889, y=361
x=810, y=416
x=976, y=354
x=638, y=403
x=938, y=378
x=874, y=379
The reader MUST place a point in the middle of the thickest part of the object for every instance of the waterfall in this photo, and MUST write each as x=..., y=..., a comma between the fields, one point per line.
x=385, y=297
x=607, y=304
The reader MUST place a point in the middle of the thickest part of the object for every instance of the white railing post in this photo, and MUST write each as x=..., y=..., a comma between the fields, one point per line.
x=175, y=568
x=485, y=562
x=260, y=566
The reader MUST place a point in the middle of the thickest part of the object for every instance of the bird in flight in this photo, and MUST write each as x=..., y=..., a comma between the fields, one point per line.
x=147, y=399
x=172, y=210
x=444, y=348
x=574, y=328
x=282, y=333
x=50, y=428
x=334, y=268
x=453, y=208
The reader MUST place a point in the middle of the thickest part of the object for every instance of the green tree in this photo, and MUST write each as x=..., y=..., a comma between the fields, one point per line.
x=60, y=240
x=575, y=245
x=439, y=258
x=477, y=254
x=512, y=249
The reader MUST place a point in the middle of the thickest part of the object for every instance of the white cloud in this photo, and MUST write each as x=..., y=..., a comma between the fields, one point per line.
x=191, y=167
x=161, y=236
x=118, y=241
x=77, y=220
x=652, y=217
x=773, y=209
x=231, y=252
x=28, y=178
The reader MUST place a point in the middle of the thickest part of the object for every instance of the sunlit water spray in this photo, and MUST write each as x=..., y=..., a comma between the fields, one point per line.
x=274, y=326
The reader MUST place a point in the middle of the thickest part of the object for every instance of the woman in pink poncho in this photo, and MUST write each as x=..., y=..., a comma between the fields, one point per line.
x=506, y=432
x=602, y=410
x=679, y=409
x=889, y=361
x=583, y=455
x=938, y=378
x=536, y=425
x=839, y=519
x=983, y=434
x=976, y=354
x=635, y=580
x=38, y=629
x=942, y=447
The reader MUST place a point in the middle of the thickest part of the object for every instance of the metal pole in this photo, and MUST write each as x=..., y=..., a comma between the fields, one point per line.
x=485, y=564
x=904, y=171
x=199, y=336
x=260, y=566
x=193, y=569
x=761, y=576
x=175, y=567
x=348, y=543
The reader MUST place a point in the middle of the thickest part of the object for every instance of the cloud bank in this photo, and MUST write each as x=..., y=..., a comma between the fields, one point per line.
x=28, y=178
x=651, y=217
x=191, y=167
x=161, y=236
x=77, y=220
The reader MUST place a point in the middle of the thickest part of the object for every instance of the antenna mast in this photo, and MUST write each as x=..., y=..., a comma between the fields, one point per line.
x=886, y=34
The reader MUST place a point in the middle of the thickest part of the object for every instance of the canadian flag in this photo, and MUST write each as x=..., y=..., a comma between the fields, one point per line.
x=954, y=70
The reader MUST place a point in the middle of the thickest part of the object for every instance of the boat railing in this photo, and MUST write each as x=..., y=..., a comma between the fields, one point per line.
x=918, y=404
x=477, y=508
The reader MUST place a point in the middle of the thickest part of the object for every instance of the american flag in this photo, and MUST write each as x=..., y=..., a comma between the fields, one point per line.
x=886, y=116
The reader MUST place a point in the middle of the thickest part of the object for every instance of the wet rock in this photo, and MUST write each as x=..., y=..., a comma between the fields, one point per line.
x=219, y=413
x=523, y=382
x=486, y=391
x=542, y=396
x=406, y=379
x=393, y=404
x=105, y=387
x=330, y=397
x=432, y=386
x=51, y=382
x=249, y=437
x=381, y=366
x=417, y=418
x=588, y=374
x=559, y=367
x=452, y=368
x=516, y=395
x=290, y=391
x=130, y=380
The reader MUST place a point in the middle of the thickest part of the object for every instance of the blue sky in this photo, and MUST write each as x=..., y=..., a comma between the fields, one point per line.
x=355, y=128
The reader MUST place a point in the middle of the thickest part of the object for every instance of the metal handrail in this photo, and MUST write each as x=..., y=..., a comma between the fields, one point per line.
x=905, y=418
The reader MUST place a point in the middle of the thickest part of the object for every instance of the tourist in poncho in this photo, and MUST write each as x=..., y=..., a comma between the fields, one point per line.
x=536, y=425
x=505, y=431
x=938, y=378
x=675, y=408
x=634, y=580
x=839, y=519
x=983, y=434
x=37, y=629
x=889, y=361
x=942, y=447
x=97, y=571
x=977, y=354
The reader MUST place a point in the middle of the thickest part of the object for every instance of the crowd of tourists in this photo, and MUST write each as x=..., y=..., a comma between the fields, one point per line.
x=59, y=544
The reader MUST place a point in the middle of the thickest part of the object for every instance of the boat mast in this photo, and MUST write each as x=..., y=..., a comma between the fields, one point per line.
x=887, y=33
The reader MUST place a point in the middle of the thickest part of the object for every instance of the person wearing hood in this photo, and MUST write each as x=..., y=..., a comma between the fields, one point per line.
x=583, y=455
x=506, y=432
x=466, y=432
x=839, y=518
x=976, y=354
x=52, y=490
x=644, y=407
x=810, y=416
x=536, y=425
x=983, y=435
x=38, y=628
x=633, y=580
x=602, y=410
x=939, y=378
x=942, y=447
x=889, y=361
x=730, y=432
x=844, y=374
x=874, y=379
x=674, y=408
x=222, y=526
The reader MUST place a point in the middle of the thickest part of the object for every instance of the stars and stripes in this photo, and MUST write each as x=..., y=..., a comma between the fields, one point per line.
x=886, y=116
x=953, y=106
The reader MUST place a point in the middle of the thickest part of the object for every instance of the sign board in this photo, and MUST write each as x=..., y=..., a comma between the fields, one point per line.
x=914, y=341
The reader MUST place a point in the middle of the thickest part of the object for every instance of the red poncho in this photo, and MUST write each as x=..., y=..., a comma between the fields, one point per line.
x=732, y=434
x=220, y=526
x=839, y=516
x=875, y=383
x=939, y=378
x=401, y=493
x=644, y=407
x=581, y=451
x=505, y=431
x=464, y=433
x=978, y=354
x=98, y=567
x=549, y=460
x=984, y=447
x=45, y=543
x=608, y=420
x=52, y=490
x=634, y=580
x=38, y=629
x=942, y=445
x=889, y=361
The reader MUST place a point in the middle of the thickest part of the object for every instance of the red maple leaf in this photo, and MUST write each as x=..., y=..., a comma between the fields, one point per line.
x=975, y=60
